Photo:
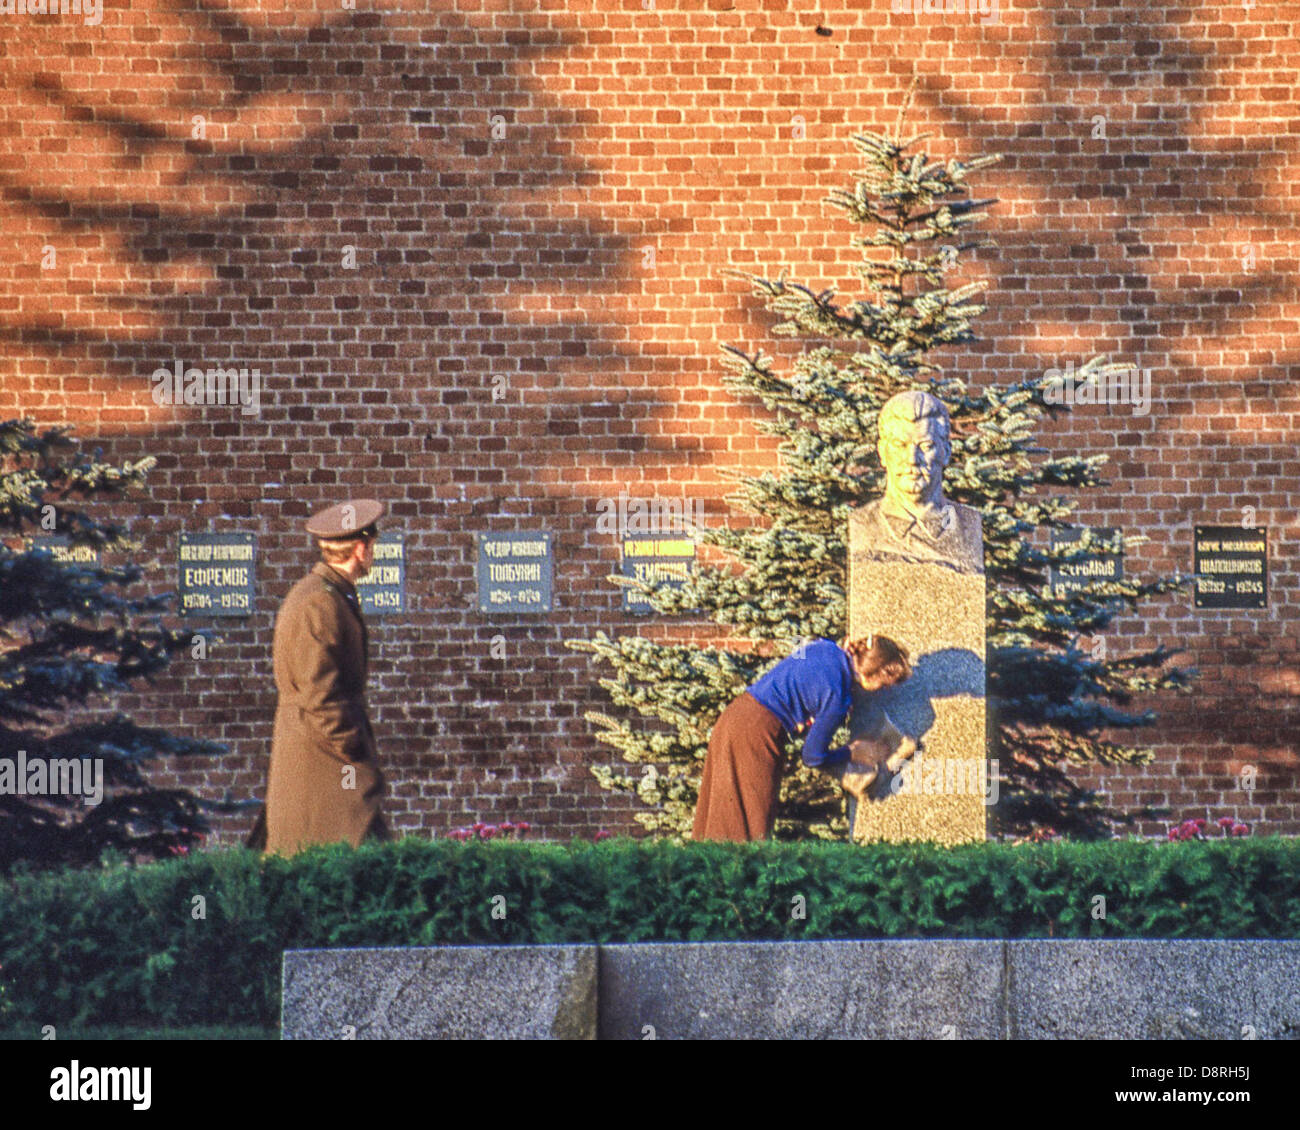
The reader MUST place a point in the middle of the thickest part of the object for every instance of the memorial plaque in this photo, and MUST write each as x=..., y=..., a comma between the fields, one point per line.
x=216, y=574
x=514, y=572
x=1231, y=567
x=654, y=559
x=382, y=591
x=63, y=551
x=1103, y=564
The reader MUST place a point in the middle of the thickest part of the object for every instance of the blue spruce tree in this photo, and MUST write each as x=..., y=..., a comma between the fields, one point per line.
x=69, y=633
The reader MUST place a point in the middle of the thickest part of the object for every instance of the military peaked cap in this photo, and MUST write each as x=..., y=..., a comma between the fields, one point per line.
x=346, y=519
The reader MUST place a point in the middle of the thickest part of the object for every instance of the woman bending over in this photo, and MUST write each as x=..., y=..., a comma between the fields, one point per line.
x=812, y=687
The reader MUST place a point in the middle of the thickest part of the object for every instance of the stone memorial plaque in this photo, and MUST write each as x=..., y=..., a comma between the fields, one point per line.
x=382, y=591
x=217, y=574
x=1104, y=564
x=514, y=572
x=653, y=559
x=63, y=551
x=1231, y=567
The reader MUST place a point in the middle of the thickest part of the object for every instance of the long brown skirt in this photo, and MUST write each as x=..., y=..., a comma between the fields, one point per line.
x=742, y=774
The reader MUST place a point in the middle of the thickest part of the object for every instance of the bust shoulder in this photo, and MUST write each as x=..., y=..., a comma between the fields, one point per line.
x=956, y=541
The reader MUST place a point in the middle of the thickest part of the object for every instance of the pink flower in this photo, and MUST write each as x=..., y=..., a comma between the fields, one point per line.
x=1241, y=829
x=1226, y=821
x=1199, y=822
x=603, y=834
x=523, y=825
x=1174, y=835
x=507, y=827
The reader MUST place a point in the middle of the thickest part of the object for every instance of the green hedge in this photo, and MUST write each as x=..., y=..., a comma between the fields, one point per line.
x=122, y=945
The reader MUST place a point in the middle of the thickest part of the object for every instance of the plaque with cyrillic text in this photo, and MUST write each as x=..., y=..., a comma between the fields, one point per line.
x=1231, y=566
x=514, y=573
x=382, y=591
x=63, y=551
x=217, y=572
x=1104, y=563
x=651, y=560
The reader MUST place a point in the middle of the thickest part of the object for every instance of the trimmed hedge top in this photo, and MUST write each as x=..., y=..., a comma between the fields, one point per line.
x=198, y=940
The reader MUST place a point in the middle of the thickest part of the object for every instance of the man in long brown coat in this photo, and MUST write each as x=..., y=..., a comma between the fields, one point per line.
x=325, y=782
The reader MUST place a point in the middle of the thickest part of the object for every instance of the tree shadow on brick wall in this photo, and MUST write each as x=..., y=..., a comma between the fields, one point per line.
x=360, y=205
x=367, y=208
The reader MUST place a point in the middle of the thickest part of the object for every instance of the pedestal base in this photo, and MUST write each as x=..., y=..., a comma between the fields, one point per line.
x=938, y=614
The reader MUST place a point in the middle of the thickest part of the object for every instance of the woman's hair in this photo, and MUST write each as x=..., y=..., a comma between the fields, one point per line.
x=879, y=655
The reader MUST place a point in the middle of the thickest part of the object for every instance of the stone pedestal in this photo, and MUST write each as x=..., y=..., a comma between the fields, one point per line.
x=937, y=612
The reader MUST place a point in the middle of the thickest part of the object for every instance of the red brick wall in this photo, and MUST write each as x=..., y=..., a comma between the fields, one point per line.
x=572, y=265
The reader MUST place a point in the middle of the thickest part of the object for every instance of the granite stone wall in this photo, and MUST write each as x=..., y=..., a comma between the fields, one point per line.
x=913, y=989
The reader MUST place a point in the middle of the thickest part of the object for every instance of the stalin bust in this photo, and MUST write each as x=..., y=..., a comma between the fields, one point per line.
x=913, y=521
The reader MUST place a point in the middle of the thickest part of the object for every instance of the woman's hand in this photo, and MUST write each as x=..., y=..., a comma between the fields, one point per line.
x=909, y=748
x=857, y=778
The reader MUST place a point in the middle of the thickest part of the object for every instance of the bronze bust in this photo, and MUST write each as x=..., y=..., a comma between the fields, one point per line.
x=913, y=521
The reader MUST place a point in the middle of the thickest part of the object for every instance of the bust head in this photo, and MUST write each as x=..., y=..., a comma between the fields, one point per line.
x=914, y=448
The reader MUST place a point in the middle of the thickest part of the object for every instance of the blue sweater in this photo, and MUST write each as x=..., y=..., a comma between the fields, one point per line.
x=814, y=682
